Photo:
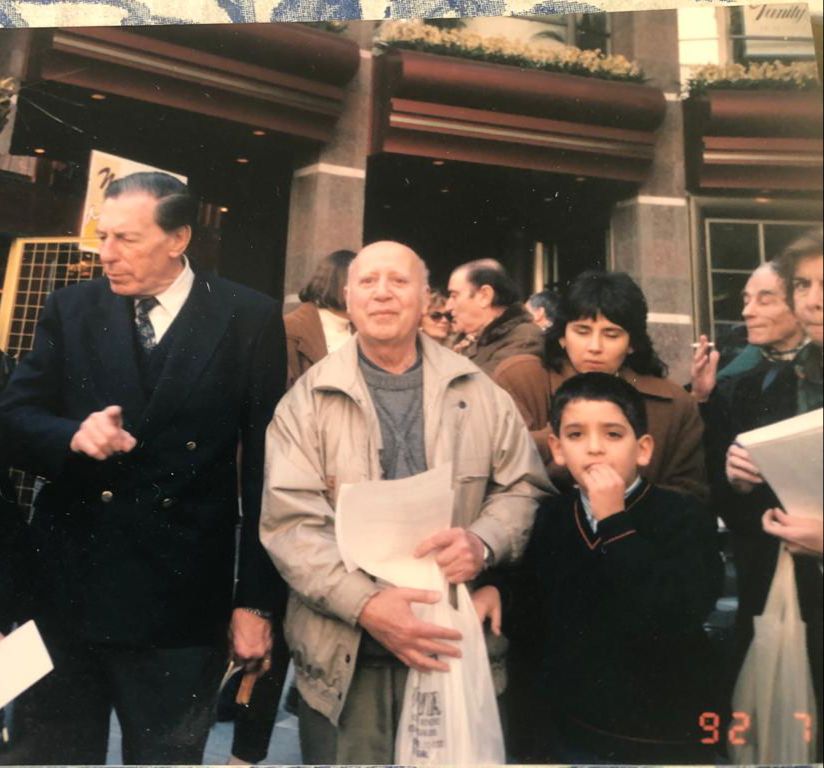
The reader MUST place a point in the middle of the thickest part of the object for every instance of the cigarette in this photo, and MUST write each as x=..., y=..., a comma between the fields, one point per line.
x=697, y=344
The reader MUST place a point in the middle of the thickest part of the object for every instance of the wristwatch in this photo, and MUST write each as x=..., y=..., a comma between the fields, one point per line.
x=489, y=557
x=257, y=612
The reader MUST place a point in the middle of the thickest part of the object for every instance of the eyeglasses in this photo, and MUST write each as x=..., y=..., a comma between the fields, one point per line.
x=438, y=316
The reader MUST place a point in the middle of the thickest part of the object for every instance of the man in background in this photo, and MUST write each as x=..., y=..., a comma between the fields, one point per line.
x=486, y=308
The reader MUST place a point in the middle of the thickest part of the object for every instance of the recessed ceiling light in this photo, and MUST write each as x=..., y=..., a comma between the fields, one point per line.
x=39, y=151
x=579, y=179
x=445, y=190
x=98, y=96
x=439, y=162
x=242, y=160
x=762, y=199
x=223, y=209
x=258, y=133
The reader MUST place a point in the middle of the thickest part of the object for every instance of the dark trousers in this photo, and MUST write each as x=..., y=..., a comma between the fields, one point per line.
x=164, y=699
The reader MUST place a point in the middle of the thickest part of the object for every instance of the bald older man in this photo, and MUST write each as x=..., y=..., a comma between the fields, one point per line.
x=389, y=404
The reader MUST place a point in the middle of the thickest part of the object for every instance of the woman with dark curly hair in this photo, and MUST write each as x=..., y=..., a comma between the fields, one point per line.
x=602, y=326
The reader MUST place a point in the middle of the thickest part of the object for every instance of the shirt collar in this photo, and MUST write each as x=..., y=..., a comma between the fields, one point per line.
x=588, y=508
x=174, y=297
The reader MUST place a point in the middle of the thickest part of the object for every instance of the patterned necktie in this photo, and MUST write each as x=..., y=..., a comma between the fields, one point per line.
x=145, y=331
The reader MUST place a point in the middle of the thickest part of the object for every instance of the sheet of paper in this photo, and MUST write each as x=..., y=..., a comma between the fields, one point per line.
x=378, y=524
x=788, y=455
x=23, y=661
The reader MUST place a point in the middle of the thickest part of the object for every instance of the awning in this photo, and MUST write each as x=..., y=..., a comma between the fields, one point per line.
x=284, y=78
x=754, y=140
x=451, y=108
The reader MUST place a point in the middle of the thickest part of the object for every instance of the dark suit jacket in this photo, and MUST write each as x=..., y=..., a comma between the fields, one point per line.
x=14, y=549
x=139, y=549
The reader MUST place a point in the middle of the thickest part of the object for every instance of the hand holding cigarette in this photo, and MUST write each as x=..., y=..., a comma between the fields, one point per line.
x=704, y=369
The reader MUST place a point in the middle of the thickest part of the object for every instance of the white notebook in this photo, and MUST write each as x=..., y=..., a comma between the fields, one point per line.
x=789, y=456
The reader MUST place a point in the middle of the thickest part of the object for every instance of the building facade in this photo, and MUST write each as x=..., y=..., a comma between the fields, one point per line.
x=300, y=141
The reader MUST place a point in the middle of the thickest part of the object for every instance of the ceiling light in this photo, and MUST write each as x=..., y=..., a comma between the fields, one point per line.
x=223, y=209
x=98, y=96
x=579, y=179
x=242, y=160
x=439, y=162
x=39, y=151
x=762, y=200
x=258, y=132
x=445, y=190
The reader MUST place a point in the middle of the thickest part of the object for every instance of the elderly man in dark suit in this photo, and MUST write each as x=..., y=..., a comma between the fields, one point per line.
x=133, y=401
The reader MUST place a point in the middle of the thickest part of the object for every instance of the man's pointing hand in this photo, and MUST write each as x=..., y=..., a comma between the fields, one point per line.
x=102, y=434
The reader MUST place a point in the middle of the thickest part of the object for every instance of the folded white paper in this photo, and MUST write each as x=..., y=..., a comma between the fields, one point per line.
x=789, y=456
x=23, y=661
x=378, y=524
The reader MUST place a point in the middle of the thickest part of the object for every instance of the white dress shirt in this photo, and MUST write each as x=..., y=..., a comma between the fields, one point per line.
x=171, y=301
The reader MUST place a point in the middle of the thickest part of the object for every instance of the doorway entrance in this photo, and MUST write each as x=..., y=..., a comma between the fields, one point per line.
x=544, y=228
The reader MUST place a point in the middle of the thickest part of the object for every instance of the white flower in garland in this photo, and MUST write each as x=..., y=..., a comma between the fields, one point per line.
x=770, y=75
x=419, y=36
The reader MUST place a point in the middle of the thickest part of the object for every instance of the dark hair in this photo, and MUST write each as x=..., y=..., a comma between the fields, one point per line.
x=325, y=287
x=809, y=244
x=505, y=291
x=618, y=298
x=176, y=207
x=547, y=300
x=600, y=387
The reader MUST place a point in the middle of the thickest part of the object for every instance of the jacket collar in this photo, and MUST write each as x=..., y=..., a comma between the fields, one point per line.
x=110, y=327
x=199, y=327
x=651, y=386
x=502, y=325
x=307, y=331
x=340, y=370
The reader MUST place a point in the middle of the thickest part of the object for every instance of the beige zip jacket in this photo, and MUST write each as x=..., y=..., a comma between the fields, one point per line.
x=325, y=432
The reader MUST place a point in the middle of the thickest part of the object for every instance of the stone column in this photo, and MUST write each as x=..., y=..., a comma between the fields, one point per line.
x=650, y=233
x=326, y=206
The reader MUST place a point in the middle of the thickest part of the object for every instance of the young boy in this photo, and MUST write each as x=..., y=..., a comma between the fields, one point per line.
x=614, y=586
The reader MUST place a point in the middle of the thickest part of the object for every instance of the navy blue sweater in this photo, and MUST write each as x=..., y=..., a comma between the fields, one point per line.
x=614, y=619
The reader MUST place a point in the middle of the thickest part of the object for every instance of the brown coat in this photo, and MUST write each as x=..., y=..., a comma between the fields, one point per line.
x=674, y=421
x=512, y=333
x=305, y=342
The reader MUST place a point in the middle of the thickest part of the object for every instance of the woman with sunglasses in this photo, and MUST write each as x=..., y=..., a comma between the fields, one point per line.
x=435, y=322
x=602, y=326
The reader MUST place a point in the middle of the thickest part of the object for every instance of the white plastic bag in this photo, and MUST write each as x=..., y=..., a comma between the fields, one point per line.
x=774, y=688
x=451, y=718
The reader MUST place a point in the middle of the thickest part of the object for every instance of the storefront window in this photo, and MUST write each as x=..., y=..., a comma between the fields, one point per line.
x=735, y=247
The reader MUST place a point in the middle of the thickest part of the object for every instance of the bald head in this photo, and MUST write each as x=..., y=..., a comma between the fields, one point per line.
x=386, y=295
x=389, y=248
